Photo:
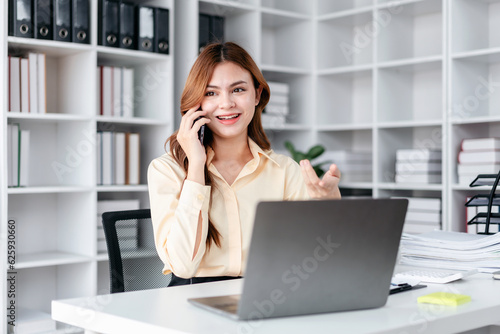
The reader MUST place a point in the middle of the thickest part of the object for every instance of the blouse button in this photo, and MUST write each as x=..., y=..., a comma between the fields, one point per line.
x=200, y=197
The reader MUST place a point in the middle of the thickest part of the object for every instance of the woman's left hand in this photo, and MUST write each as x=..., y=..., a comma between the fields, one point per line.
x=325, y=188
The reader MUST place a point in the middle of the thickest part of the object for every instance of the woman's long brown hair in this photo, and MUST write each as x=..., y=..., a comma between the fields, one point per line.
x=194, y=91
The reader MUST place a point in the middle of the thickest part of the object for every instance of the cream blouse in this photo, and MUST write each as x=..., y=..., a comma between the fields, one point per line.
x=176, y=204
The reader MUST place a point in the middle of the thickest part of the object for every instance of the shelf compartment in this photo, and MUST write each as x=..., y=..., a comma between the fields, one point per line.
x=55, y=223
x=345, y=98
x=286, y=41
x=239, y=23
x=69, y=79
x=41, y=285
x=345, y=41
x=152, y=145
x=411, y=92
x=391, y=140
x=459, y=132
x=299, y=97
x=152, y=83
x=410, y=30
x=474, y=24
x=475, y=91
x=354, y=171
x=329, y=7
x=61, y=152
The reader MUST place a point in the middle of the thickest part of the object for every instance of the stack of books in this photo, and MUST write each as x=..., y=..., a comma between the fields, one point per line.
x=27, y=84
x=418, y=166
x=423, y=215
x=115, y=88
x=276, y=110
x=127, y=231
x=118, y=158
x=354, y=166
x=451, y=250
x=478, y=156
x=18, y=153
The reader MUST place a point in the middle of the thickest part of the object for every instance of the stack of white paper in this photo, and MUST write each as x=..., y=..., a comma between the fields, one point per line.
x=451, y=250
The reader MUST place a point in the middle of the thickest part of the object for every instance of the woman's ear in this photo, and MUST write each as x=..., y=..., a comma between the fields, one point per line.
x=258, y=93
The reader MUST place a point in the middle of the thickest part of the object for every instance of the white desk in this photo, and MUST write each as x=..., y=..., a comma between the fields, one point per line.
x=167, y=311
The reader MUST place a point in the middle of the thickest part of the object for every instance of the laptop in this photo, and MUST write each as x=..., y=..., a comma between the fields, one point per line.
x=309, y=257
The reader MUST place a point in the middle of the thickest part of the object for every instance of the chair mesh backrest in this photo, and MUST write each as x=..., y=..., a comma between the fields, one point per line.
x=133, y=261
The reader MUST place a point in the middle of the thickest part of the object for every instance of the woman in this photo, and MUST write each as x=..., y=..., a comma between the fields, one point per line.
x=203, y=195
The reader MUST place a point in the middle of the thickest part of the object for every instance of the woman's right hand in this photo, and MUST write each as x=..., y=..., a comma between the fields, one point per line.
x=187, y=136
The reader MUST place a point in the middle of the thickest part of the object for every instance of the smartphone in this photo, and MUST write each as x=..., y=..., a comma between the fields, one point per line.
x=201, y=132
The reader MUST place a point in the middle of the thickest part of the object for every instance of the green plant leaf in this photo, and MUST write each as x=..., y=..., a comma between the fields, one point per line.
x=289, y=147
x=315, y=151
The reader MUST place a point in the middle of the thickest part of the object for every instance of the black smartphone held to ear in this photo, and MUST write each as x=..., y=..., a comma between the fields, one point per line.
x=201, y=131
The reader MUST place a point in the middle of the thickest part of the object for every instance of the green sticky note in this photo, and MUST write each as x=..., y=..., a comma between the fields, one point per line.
x=444, y=298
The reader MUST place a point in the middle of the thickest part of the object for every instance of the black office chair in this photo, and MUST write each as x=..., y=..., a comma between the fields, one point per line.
x=133, y=261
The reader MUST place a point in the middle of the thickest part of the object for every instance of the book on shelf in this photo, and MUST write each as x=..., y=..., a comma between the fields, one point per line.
x=18, y=154
x=476, y=169
x=29, y=321
x=14, y=83
x=25, y=88
x=479, y=157
x=347, y=157
x=26, y=83
x=115, y=91
x=118, y=158
x=132, y=158
x=407, y=167
x=481, y=144
x=420, y=155
x=423, y=215
x=270, y=120
x=424, y=178
x=280, y=88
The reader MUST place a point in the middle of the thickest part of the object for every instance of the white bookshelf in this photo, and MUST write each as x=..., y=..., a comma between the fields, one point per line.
x=364, y=75
x=55, y=215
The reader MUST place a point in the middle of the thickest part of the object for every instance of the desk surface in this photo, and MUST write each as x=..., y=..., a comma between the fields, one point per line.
x=167, y=311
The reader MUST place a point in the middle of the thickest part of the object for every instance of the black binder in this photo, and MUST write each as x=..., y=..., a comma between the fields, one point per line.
x=20, y=18
x=127, y=26
x=109, y=23
x=203, y=31
x=81, y=21
x=145, y=28
x=42, y=13
x=62, y=20
x=161, y=30
x=217, y=29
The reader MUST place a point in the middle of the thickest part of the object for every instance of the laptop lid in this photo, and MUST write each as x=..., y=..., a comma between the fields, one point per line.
x=310, y=257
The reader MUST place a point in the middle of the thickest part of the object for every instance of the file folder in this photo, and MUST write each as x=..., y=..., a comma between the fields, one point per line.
x=108, y=23
x=203, y=31
x=62, y=20
x=81, y=21
x=20, y=18
x=216, y=29
x=127, y=26
x=145, y=25
x=42, y=13
x=161, y=30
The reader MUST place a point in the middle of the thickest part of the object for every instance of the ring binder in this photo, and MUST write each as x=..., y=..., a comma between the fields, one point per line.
x=127, y=26
x=161, y=30
x=81, y=21
x=42, y=14
x=62, y=20
x=108, y=23
x=145, y=25
x=20, y=16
